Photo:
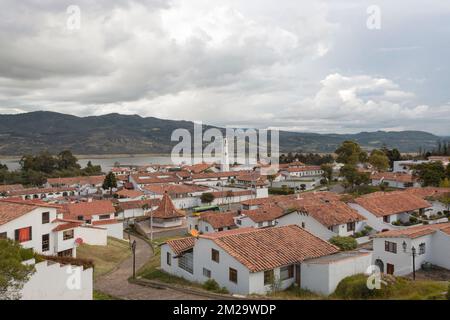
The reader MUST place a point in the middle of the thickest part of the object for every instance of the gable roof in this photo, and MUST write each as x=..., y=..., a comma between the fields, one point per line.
x=181, y=245
x=219, y=220
x=10, y=211
x=136, y=204
x=88, y=209
x=388, y=203
x=175, y=189
x=415, y=232
x=81, y=180
x=167, y=210
x=269, y=248
x=126, y=193
x=332, y=213
x=10, y=187
x=431, y=192
x=394, y=176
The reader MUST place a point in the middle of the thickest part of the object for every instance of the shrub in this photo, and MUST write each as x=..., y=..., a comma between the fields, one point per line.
x=355, y=287
x=413, y=219
x=448, y=291
x=212, y=285
x=344, y=243
x=396, y=223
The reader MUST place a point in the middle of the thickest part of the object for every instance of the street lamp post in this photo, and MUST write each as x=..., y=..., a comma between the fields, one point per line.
x=133, y=250
x=414, y=262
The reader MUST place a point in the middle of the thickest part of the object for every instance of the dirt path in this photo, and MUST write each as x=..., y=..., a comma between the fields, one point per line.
x=116, y=282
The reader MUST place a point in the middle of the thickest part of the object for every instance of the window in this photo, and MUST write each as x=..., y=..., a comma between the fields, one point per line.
x=104, y=216
x=3, y=235
x=45, y=217
x=351, y=226
x=287, y=272
x=206, y=273
x=215, y=255
x=186, y=262
x=268, y=277
x=23, y=235
x=390, y=246
x=66, y=253
x=260, y=224
x=68, y=234
x=387, y=219
x=169, y=259
x=422, y=248
x=233, y=275
x=45, y=242
x=303, y=225
x=206, y=228
x=239, y=221
x=220, y=229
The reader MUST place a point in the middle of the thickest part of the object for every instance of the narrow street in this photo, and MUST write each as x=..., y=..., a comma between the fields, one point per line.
x=116, y=282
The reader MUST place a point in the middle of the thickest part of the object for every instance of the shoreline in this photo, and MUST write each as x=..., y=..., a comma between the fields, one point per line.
x=101, y=156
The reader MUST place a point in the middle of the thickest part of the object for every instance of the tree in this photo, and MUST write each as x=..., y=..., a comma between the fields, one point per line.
x=445, y=183
x=327, y=172
x=447, y=171
x=350, y=153
x=67, y=161
x=207, y=197
x=445, y=199
x=353, y=176
x=13, y=273
x=110, y=182
x=430, y=173
x=392, y=154
x=379, y=160
x=91, y=169
x=271, y=177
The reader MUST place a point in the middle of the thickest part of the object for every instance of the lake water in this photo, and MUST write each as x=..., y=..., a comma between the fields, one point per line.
x=107, y=162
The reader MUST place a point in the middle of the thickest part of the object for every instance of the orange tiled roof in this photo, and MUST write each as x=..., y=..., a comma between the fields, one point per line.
x=136, y=204
x=82, y=180
x=332, y=213
x=415, y=232
x=269, y=248
x=388, y=203
x=87, y=209
x=67, y=226
x=302, y=169
x=426, y=192
x=10, y=211
x=104, y=222
x=393, y=176
x=199, y=167
x=10, y=187
x=219, y=220
x=175, y=189
x=167, y=210
x=181, y=245
x=125, y=193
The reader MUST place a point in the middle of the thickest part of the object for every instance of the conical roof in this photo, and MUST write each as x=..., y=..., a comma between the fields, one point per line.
x=167, y=210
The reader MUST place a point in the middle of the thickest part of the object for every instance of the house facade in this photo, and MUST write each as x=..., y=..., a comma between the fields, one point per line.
x=259, y=261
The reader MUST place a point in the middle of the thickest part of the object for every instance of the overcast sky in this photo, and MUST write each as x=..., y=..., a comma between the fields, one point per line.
x=300, y=65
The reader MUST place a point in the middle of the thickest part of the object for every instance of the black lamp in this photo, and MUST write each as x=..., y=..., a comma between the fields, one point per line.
x=404, y=246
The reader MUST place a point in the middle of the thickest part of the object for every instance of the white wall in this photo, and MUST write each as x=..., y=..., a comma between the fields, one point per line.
x=310, y=224
x=93, y=236
x=440, y=254
x=51, y=281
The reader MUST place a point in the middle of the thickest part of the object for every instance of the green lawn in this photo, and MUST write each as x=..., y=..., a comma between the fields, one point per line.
x=98, y=295
x=105, y=258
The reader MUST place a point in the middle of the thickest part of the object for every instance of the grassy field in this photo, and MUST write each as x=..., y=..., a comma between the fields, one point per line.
x=105, y=258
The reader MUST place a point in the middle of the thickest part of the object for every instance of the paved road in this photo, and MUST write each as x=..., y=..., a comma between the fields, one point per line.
x=116, y=282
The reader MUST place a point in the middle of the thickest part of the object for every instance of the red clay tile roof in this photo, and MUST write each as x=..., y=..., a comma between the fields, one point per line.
x=219, y=220
x=167, y=210
x=302, y=169
x=199, y=167
x=239, y=193
x=155, y=177
x=415, y=232
x=88, y=209
x=10, y=187
x=263, y=214
x=181, y=245
x=125, y=193
x=393, y=176
x=10, y=211
x=136, y=204
x=332, y=213
x=387, y=203
x=82, y=180
x=104, y=222
x=67, y=226
x=215, y=175
x=175, y=189
x=426, y=192
x=40, y=190
x=269, y=248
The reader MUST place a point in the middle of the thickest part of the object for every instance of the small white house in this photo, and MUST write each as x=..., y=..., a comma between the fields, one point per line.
x=393, y=250
x=166, y=215
x=394, y=180
x=36, y=225
x=211, y=221
x=381, y=209
x=259, y=261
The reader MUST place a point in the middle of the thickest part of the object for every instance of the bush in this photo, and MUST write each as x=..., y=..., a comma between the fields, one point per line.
x=396, y=223
x=355, y=287
x=448, y=291
x=344, y=243
x=212, y=285
x=413, y=220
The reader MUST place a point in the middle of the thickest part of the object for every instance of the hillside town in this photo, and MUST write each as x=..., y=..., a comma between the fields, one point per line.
x=225, y=230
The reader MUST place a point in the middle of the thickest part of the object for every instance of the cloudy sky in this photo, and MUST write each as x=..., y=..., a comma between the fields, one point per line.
x=302, y=65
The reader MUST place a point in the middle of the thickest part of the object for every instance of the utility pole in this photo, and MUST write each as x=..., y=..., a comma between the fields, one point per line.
x=414, y=262
x=133, y=250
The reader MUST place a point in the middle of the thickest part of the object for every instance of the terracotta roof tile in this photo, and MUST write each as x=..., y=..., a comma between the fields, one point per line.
x=415, y=232
x=269, y=248
x=125, y=193
x=88, y=209
x=393, y=176
x=219, y=220
x=388, y=203
x=179, y=246
x=82, y=180
x=167, y=210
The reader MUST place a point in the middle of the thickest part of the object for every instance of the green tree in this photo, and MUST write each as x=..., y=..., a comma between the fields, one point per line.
x=447, y=171
x=392, y=154
x=66, y=161
x=327, y=172
x=350, y=153
x=271, y=177
x=353, y=177
x=430, y=173
x=91, y=170
x=110, y=182
x=13, y=273
x=379, y=160
x=207, y=197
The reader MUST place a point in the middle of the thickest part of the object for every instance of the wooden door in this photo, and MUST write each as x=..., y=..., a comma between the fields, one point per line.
x=389, y=268
x=297, y=275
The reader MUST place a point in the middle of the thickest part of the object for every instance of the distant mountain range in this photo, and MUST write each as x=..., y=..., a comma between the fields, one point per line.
x=132, y=134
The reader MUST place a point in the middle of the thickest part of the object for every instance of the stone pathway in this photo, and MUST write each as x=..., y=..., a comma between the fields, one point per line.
x=116, y=282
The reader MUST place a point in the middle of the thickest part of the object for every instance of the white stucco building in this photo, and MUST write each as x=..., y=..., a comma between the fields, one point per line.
x=258, y=261
x=393, y=250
